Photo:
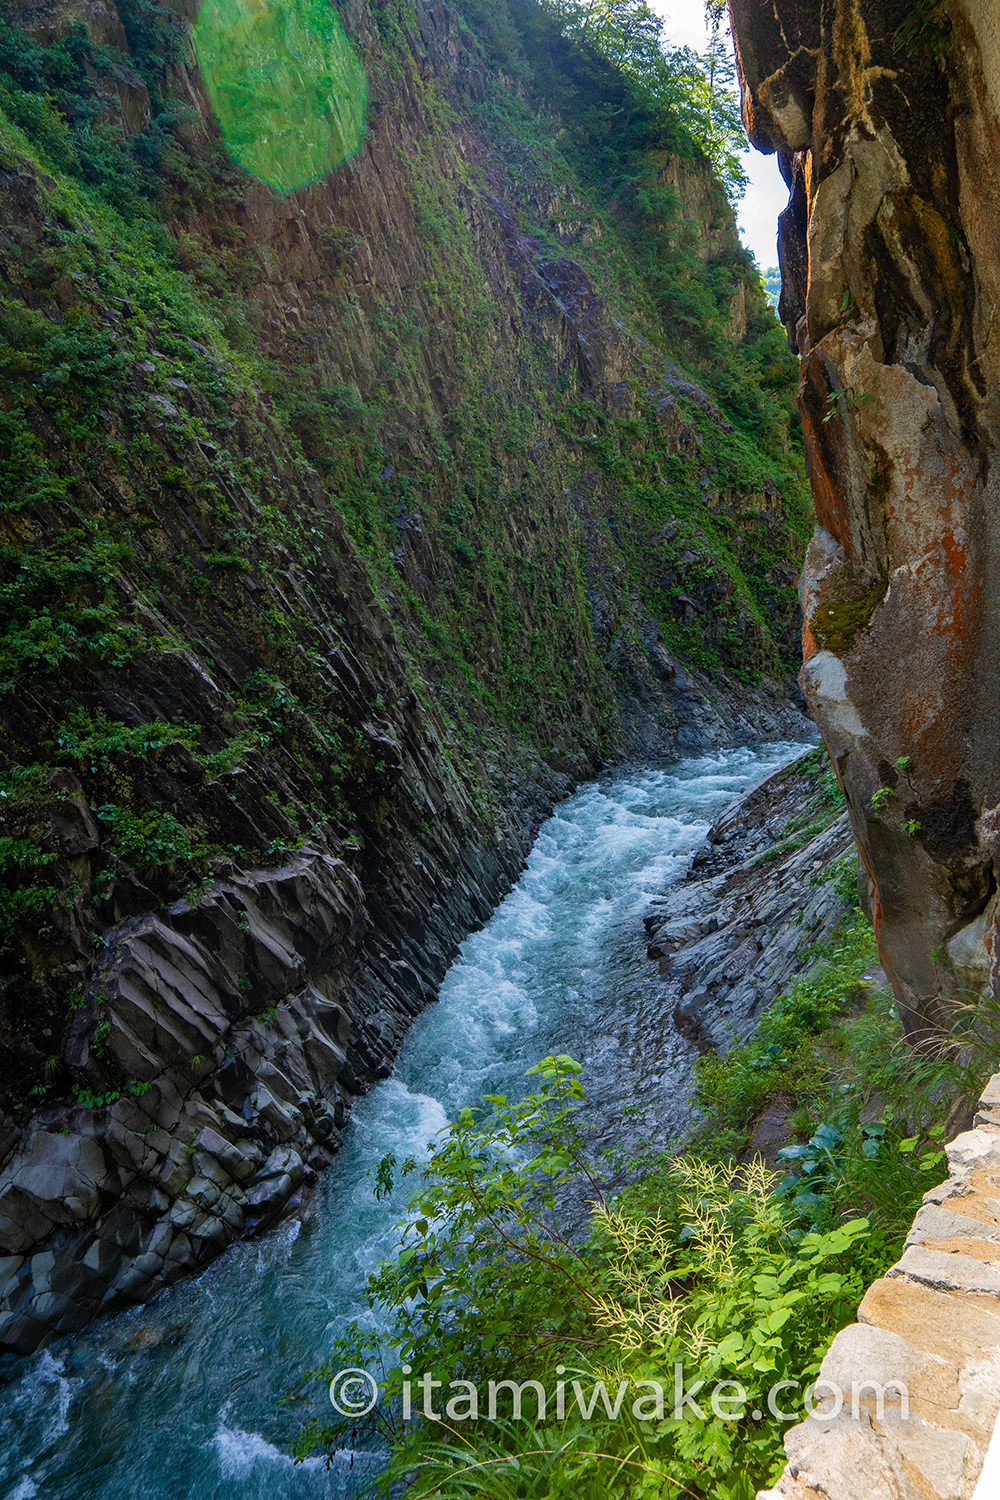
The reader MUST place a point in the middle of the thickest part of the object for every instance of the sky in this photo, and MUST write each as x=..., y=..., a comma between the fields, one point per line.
x=766, y=193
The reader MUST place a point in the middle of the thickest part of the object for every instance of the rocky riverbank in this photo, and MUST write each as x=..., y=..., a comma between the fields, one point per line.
x=731, y=936
x=922, y=1358
x=346, y=530
x=248, y=1019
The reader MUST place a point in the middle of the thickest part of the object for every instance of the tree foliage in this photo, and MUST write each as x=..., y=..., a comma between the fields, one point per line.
x=696, y=91
x=701, y=1267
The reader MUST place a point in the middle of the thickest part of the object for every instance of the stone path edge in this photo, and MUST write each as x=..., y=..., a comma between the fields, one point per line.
x=929, y=1327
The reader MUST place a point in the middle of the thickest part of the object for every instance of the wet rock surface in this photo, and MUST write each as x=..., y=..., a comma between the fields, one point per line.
x=731, y=936
x=247, y=1023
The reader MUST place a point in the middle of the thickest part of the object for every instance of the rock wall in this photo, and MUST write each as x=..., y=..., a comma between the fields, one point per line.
x=886, y=118
x=342, y=531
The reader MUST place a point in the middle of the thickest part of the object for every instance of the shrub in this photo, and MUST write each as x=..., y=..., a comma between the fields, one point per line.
x=151, y=842
x=718, y=1275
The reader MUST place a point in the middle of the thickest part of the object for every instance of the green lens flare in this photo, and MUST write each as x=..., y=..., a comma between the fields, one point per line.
x=287, y=87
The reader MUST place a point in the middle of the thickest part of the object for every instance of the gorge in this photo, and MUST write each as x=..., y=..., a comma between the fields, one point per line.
x=403, y=498
x=337, y=547
x=562, y=956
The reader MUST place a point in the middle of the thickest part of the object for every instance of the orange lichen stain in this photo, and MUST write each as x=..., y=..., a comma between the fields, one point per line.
x=932, y=540
x=822, y=489
x=878, y=914
x=916, y=715
x=923, y=723
x=825, y=442
x=831, y=511
x=810, y=645
x=930, y=523
x=882, y=929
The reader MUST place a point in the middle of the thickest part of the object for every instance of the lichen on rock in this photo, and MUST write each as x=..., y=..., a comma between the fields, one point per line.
x=885, y=121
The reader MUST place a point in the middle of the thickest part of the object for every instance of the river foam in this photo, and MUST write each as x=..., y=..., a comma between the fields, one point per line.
x=181, y=1400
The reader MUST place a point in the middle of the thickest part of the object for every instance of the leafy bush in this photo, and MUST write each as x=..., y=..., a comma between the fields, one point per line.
x=865, y=1110
x=70, y=367
x=705, y=1260
x=849, y=1160
x=93, y=739
x=716, y=1274
x=152, y=842
x=21, y=893
x=59, y=605
x=49, y=90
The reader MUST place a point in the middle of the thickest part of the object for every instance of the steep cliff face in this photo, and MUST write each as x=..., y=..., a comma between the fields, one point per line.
x=887, y=119
x=341, y=532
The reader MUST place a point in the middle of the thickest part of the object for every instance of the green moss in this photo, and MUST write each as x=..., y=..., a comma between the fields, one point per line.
x=212, y=517
x=839, y=618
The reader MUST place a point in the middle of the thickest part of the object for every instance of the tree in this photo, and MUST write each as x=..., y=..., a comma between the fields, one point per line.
x=695, y=91
x=725, y=125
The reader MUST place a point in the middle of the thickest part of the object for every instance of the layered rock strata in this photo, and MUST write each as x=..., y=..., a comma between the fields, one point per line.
x=247, y=1022
x=730, y=937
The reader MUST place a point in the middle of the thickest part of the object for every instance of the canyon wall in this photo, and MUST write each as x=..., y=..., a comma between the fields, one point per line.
x=886, y=118
x=342, y=530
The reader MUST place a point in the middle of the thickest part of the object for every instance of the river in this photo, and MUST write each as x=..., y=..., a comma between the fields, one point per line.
x=180, y=1399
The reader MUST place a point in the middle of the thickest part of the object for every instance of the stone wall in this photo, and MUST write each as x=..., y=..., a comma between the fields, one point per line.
x=929, y=1327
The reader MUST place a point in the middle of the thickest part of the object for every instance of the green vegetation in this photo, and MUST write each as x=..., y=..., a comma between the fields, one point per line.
x=831, y=1054
x=94, y=741
x=925, y=31
x=260, y=524
x=21, y=893
x=710, y=1258
x=150, y=841
x=286, y=85
x=693, y=99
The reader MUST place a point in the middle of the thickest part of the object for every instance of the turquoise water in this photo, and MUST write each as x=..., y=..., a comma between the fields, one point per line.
x=180, y=1400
